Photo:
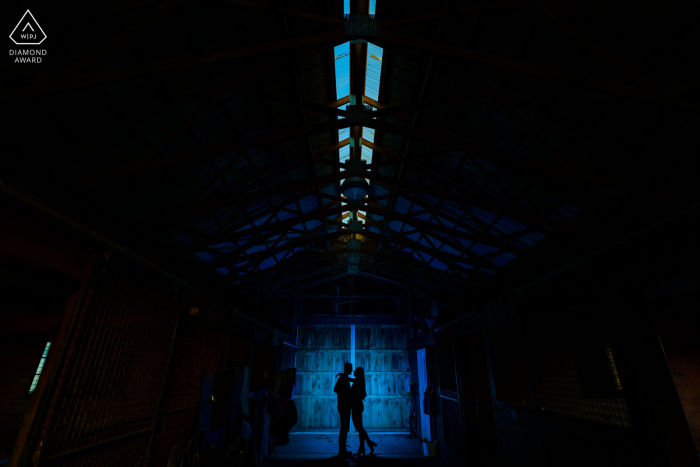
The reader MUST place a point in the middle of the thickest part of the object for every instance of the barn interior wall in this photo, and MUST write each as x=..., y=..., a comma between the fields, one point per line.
x=382, y=350
x=675, y=301
x=415, y=392
x=623, y=307
x=40, y=272
x=32, y=302
x=41, y=267
x=213, y=342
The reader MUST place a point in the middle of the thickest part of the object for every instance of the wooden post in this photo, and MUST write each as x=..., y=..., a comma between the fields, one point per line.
x=296, y=305
x=409, y=306
x=352, y=360
x=352, y=345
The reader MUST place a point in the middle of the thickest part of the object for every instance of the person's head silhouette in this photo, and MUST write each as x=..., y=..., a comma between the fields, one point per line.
x=347, y=368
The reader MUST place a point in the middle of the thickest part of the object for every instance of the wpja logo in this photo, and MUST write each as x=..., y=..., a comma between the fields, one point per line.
x=28, y=32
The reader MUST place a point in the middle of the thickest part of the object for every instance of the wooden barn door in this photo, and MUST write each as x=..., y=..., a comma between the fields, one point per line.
x=323, y=350
x=383, y=352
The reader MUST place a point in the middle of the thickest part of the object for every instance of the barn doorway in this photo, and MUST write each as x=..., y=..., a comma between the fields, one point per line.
x=381, y=350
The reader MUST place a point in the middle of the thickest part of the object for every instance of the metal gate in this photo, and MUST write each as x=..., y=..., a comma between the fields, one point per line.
x=101, y=405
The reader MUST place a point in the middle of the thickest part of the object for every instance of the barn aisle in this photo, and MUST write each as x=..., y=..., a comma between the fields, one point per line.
x=310, y=449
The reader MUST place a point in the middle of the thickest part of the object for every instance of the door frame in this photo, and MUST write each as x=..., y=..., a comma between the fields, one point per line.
x=422, y=387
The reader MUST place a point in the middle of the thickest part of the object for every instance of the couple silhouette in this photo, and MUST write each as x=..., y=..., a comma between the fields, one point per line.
x=350, y=403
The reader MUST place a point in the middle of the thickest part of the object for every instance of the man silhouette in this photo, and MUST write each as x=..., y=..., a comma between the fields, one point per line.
x=342, y=389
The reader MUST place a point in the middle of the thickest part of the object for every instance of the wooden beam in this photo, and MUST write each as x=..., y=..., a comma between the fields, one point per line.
x=602, y=52
x=377, y=296
x=455, y=14
x=288, y=12
x=472, y=200
x=448, y=258
x=236, y=198
x=226, y=281
x=126, y=33
x=320, y=108
x=376, y=104
x=173, y=64
x=213, y=151
x=543, y=71
x=428, y=226
x=423, y=267
x=345, y=319
x=244, y=232
x=424, y=105
x=240, y=256
x=392, y=23
x=475, y=293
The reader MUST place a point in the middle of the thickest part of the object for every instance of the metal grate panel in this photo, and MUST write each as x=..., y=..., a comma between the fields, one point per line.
x=199, y=350
x=574, y=370
x=359, y=115
x=453, y=425
x=362, y=24
x=239, y=347
x=113, y=373
x=509, y=364
x=446, y=365
x=288, y=357
x=432, y=361
x=131, y=453
x=262, y=372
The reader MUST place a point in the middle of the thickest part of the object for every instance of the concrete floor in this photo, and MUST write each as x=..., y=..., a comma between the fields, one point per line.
x=318, y=450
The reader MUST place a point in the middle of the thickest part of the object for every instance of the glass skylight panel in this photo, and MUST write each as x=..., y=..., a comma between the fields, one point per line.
x=372, y=6
x=342, y=86
x=343, y=133
x=342, y=70
x=41, y=367
x=374, y=70
x=367, y=134
x=346, y=7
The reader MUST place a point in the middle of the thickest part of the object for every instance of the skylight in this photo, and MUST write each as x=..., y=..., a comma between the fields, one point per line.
x=342, y=70
x=374, y=70
x=372, y=6
x=342, y=86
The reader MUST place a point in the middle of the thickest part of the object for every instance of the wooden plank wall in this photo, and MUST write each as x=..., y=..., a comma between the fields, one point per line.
x=323, y=350
x=381, y=350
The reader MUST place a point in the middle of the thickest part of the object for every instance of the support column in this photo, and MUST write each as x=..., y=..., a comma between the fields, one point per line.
x=352, y=345
x=296, y=304
x=352, y=360
x=409, y=306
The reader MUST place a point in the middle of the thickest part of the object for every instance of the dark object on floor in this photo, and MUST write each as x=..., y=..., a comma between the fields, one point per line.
x=284, y=417
x=282, y=408
x=221, y=434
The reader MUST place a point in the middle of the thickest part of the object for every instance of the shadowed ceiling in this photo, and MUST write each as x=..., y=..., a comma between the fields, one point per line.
x=505, y=139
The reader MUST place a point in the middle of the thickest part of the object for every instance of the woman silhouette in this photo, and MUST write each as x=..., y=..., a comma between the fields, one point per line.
x=357, y=393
